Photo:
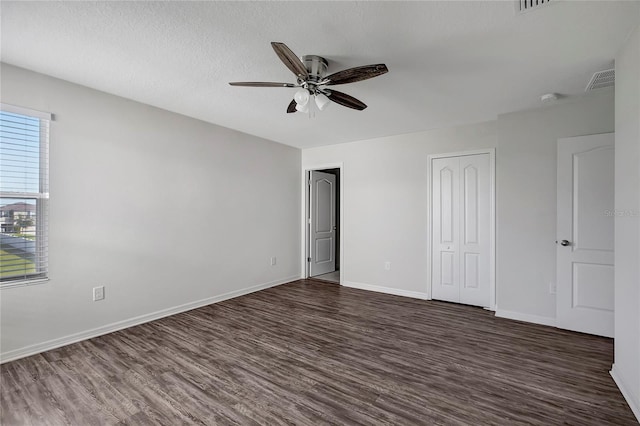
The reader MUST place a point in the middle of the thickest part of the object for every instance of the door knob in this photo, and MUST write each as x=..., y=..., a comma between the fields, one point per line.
x=565, y=243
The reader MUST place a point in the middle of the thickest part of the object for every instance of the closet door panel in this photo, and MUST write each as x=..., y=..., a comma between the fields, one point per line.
x=474, y=229
x=445, y=212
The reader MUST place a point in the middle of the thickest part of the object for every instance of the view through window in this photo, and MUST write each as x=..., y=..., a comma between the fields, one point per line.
x=24, y=195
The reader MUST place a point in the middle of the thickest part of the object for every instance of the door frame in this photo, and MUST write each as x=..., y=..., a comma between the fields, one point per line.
x=304, y=244
x=492, y=218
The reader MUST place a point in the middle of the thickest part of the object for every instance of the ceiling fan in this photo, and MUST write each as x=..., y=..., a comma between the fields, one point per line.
x=310, y=73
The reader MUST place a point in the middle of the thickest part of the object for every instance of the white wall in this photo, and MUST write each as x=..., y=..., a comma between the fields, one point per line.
x=626, y=370
x=385, y=205
x=385, y=200
x=526, y=197
x=161, y=209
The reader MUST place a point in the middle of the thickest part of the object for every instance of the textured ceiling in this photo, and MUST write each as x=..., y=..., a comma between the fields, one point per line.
x=449, y=62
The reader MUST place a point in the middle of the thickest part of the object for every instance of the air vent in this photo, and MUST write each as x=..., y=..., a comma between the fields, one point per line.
x=526, y=5
x=601, y=79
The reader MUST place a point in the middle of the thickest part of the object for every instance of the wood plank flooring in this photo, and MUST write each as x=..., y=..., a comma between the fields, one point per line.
x=314, y=353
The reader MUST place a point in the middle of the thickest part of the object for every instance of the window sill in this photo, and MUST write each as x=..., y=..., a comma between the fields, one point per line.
x=22, y=283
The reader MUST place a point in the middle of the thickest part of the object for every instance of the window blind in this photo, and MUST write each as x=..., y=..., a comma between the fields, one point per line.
x=24, y=194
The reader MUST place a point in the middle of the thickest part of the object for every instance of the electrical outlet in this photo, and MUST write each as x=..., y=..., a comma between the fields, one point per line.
x=552, y=288
x=387, y=266
x=273, y=261
x=98, y=293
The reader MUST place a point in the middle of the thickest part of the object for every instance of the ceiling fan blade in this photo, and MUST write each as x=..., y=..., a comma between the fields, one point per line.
x=290, y=60
x=352, y=75
x=292, y=107
x=261, y=84
x=344, y=99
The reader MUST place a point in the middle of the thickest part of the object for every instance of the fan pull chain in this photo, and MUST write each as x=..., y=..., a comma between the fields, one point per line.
x=312, y=101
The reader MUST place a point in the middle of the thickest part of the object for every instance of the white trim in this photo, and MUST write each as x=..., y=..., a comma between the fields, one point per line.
x=624, y=390
x=518, y=316
x=492, y=218
x=304, y=270
x=34, y=195
x=26, y=111
x=464, y=153
x=110, y=328
x=22, y=283
x=387, y=290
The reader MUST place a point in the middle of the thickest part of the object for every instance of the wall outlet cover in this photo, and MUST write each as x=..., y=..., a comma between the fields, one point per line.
x=98, y=293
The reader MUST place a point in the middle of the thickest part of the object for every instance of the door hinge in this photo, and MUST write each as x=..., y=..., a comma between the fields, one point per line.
x=308, y=259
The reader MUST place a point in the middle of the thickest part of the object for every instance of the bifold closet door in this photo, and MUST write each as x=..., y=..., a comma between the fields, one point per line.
x=445, y=213
x=460, y=214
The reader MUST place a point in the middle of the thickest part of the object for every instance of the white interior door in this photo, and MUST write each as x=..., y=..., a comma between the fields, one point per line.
x=474, y=230
x=445, y=210
x=460, y=211
x=322, y=232
x=585, y=234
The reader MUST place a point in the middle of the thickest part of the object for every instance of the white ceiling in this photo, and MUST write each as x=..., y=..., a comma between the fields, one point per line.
x=449, y=62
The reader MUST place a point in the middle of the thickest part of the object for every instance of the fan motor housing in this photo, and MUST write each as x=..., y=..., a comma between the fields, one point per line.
x=316, y=67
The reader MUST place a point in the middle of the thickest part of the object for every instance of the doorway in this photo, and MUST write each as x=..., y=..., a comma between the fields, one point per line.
x=585, y=233
x=462, y=227
x=322, y=224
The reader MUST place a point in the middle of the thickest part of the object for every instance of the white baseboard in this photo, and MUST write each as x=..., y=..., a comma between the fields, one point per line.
x=387, y=290
x=536, y=319
x=110, y=328
x=634, y=403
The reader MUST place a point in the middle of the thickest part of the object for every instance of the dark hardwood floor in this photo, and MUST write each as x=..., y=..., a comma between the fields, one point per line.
x=310, y=353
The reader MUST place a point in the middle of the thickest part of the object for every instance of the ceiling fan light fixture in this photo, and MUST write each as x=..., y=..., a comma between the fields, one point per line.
x=302, y=107
x=301, y=97
x=322, y=101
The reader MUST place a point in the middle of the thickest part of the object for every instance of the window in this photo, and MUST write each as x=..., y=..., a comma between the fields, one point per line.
x=24, y=194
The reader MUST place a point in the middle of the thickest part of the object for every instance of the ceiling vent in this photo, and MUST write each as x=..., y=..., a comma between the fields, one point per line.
x=526, y=5
x=601, y=79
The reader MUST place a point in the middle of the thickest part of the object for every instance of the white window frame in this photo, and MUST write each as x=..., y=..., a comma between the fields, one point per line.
x=42, y=216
